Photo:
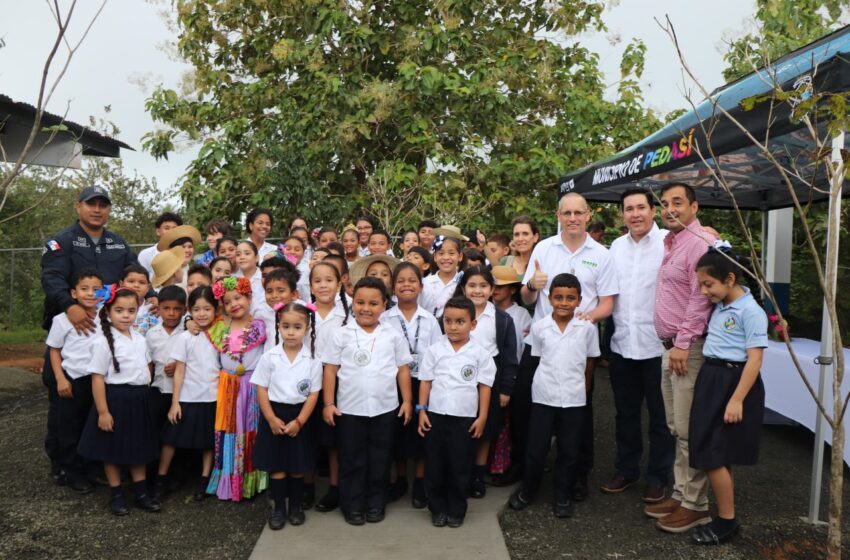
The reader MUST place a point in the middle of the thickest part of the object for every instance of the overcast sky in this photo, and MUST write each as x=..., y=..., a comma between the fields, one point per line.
x=123, y=49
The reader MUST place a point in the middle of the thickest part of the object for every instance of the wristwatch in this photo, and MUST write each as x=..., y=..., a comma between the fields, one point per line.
x=530, y=287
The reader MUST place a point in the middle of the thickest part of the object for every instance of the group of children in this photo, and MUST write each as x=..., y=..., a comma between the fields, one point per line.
x=260, y=357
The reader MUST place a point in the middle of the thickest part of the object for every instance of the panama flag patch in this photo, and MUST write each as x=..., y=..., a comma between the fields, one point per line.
x=53, y=245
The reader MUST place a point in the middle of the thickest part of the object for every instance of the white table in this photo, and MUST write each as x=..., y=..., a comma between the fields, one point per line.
x=786, y=393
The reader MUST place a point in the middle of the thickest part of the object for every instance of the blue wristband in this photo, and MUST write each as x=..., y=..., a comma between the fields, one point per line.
x=421, y=407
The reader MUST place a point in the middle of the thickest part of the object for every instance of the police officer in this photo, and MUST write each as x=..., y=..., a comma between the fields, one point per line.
x=87, y=243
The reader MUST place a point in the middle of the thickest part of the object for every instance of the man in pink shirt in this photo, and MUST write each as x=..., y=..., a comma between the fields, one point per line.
x=681, y=320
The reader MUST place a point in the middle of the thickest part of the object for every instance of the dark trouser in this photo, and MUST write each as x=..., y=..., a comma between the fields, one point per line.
x=71, y=416
x=51, y=441
x=449, y=453
x=632, y=381
x=585, y=452
x=365, y=450
x=566, y=424
x=520, y=407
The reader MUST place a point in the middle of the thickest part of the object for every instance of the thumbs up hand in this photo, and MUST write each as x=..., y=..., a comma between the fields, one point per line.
x=540, y=278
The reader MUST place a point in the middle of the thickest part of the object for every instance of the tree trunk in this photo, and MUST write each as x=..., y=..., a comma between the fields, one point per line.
x=836, y=487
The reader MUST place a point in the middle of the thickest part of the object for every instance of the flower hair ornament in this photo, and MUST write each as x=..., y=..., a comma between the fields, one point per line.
x=106, y=294
x=241, y=285
x=438, y=242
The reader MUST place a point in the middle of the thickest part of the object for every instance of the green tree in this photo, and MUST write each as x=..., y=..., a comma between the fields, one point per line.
x=298, y=104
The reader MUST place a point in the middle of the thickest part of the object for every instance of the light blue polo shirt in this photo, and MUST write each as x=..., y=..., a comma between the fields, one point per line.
x=734, y=328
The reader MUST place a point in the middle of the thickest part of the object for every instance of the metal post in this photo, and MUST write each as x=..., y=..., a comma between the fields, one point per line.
x=826, y=350
x=11, y=323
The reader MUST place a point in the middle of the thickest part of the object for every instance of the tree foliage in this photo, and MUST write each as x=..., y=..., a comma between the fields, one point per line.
x=298, y=104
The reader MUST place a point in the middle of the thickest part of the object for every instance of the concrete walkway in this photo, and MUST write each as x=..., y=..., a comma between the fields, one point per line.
x=404, y=533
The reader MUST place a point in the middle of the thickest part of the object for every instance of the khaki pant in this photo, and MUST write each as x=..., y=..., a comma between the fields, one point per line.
x=690, y=485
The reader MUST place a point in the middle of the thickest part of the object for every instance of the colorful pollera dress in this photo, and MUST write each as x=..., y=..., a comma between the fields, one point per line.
x=237, y=412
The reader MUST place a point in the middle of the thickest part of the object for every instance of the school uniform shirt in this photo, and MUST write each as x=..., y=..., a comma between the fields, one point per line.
x=419, y=334
x=734, y=328
x=455, y=375
x=591, y=264
x=303, y=284
x=258, y=293
x=366, y=389
x=637, y=264
x=559, y=379
x=484, y=332
x=288, y=382
x=522, y=326
x=132, y=355
x=265, y=249
x=160, y=344
x=435, y=294
x=200, y=378
x=76, y=348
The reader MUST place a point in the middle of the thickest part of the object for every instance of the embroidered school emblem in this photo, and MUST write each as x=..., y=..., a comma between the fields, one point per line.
x=730, y=323
x=304, y=387
x=467, y=372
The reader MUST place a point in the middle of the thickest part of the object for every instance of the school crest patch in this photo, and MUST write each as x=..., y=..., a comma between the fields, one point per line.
x=730, y=323
x=303, y=387
x=467, y=372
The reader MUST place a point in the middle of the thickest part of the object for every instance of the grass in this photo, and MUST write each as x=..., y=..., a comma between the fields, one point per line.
x=22, y=336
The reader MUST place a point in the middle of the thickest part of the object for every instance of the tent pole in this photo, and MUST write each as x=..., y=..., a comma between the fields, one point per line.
x=826, y=349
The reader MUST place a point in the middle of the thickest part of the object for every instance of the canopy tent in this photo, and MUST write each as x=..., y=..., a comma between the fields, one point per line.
x=676, y=153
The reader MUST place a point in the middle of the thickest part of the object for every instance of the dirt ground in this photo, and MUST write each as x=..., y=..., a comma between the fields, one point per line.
x=28, y=356
x=771, y=497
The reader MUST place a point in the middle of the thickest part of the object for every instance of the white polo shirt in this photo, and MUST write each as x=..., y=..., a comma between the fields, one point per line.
x=265, y=249
x=420, y=333
x=288, y=382
x=435, y=294
x=160, y=344
x=522, y=325
x=76, y=348
x=200, y=379
x=591, y=264
x=133, y=358
x=146, y=257
x=455, y=375
x=366, y=387
x=484, y=333
x=637, y=265
x=559, y=379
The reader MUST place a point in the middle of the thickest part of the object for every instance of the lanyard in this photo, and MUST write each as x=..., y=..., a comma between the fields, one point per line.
x=415, y=336
x=357, y=341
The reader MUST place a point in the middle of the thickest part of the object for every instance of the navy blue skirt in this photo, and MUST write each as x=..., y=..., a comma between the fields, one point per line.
x=195, y=429
x=283, y=453
x=133, y=439
x=713, y=443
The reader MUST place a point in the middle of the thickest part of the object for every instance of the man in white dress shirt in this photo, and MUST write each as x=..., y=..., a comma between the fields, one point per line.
x=164, y=223
x=635, y=363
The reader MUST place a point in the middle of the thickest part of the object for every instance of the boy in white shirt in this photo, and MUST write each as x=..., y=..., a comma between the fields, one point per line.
x=456, y=377
x=566, y=346
x=160, y=341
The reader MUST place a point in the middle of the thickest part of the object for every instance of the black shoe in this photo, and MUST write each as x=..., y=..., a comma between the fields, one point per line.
x=277, y=520
x=714, y=533
x=454, y=522
x=329, y=501
x=200, y=495
x=60, y=477
x=297, y=517
x=397, y=490
x=375, y=515
x=118, y=505
x=562, y=511
x=477, y=488
x=439, y=519
x=419, y=500
x=160, y=490
x=308, y=496
x=147, y=503
x=579, y=493
x=517, y=501
x=507, y=478
x=80, y=484
x=354, y=518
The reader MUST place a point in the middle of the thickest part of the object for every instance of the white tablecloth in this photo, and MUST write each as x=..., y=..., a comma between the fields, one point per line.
x=786, y=393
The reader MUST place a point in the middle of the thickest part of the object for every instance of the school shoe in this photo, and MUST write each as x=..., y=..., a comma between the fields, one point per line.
x=201, y=492
x=662, y=509
x=330, y=501
x=160, y=488
x=654, y=493
x=80, y=484
x=507, y=478
x=375, y=515
x=717, y=532
x=477, y=489
x=354, y=518
x=118, y=505
x=147, y=503
x=439, y=519
x=418, y=499
x=517, y=501
x=562, y=511
x=277, y=520
x=297, y=517
x=619, y=483
x=308, y=497
x=397, y=490
x=454, y=522
x=579, y=492
x=682, y=520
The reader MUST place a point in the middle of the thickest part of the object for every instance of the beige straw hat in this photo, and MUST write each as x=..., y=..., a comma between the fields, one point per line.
x=166, y=263
x=360, y=266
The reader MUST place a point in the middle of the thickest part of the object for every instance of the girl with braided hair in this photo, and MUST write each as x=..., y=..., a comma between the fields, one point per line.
x=119, y=430
x=288, y=378
x=239, y=339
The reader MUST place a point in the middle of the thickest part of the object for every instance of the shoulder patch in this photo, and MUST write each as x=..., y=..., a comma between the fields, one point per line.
x=53, y=245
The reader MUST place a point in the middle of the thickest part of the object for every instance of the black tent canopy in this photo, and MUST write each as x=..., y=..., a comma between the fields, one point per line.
x=674, y=152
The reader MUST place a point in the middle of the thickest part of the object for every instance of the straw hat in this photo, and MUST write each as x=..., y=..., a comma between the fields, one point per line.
x=179, y=232
x=450, y=231
x=505, y=275
x=360, y=266
x=166, y=263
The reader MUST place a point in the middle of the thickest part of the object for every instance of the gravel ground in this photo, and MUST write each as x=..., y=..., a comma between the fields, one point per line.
x=770, y=497
x=41, y=520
